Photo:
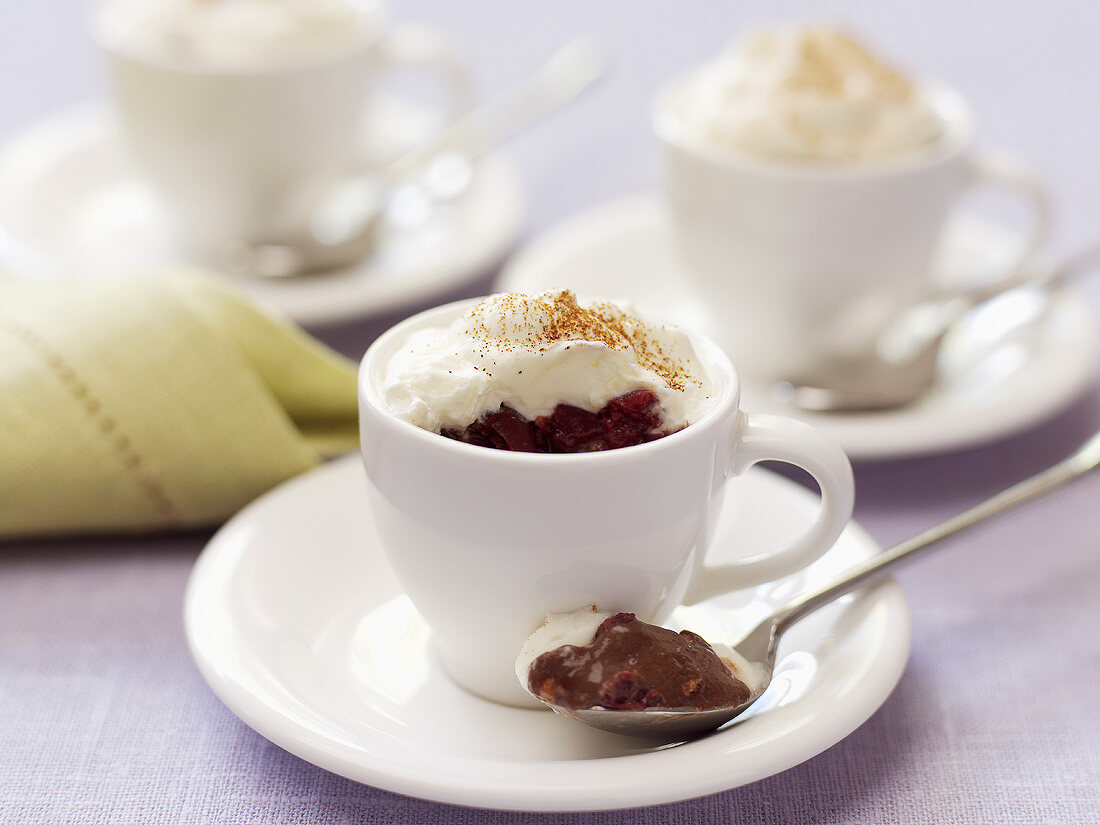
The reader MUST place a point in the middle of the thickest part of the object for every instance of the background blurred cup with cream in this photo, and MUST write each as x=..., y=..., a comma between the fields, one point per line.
x=243, y=114
x=808, y=185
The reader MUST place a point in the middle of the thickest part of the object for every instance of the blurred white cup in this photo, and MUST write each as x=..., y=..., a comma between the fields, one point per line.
x=241, y=125
x=809, y=261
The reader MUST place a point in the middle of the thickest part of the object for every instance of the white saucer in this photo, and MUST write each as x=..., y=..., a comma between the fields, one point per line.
x=298, y=625
x=623, y=250
x=72, y=207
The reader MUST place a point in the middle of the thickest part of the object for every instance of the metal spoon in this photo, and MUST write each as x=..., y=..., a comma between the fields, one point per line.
x=902, y=366
x=759, y=646
x=344, y=229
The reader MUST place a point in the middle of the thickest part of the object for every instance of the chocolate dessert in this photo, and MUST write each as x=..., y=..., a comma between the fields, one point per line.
x=632, y=418
x=631, y=665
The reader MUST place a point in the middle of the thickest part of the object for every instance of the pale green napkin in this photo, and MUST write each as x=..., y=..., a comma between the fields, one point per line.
x=155, y=402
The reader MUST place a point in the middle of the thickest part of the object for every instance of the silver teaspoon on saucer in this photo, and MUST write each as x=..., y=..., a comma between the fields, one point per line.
x=758, y=648
x=902, y=366
x=344, y=229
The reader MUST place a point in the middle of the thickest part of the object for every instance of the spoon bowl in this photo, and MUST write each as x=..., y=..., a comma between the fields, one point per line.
x=659, y=725
x=757, y=649
x=759, y=646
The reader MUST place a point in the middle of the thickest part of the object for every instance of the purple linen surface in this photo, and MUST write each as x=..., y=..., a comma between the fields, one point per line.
x=104, y=718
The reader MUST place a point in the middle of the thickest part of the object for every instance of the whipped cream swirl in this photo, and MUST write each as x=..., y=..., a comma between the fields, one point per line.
x=235, y=34
x=532, y=353
x=807, y=93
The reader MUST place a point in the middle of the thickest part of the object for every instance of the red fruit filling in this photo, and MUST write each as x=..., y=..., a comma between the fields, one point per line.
x=633, y=418
x=625, y=691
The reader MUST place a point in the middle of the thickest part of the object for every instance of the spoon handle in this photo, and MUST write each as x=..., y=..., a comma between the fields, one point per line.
x=1086, y=458
x=574, y=68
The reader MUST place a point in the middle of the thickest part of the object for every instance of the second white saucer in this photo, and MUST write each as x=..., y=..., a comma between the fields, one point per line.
x=992, y=382
x=71, y=206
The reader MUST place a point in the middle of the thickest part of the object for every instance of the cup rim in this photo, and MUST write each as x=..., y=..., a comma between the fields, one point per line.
x=948, y=102
x=726, y=400
x=113, y=46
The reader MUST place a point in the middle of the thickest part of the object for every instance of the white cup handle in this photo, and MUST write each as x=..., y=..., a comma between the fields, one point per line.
x=420, y=48
x=760, y=437
x=1005, y=170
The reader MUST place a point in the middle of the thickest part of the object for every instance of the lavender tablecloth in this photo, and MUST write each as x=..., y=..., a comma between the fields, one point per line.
x=104, y=719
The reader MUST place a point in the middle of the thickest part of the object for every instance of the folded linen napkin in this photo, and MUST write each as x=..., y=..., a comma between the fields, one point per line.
x=155, y=402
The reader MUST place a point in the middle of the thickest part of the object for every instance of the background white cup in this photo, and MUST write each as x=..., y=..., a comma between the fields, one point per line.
x=487, y=542
x=245, y=154
x=804, y=263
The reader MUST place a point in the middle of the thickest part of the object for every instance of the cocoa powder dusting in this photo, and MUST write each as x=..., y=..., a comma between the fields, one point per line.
x=554, y=317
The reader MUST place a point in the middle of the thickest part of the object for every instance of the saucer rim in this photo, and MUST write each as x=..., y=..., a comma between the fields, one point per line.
x=36, y=151
x=525, y=795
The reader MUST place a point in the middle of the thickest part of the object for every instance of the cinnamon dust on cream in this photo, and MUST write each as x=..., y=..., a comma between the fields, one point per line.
x=534, y=322
x=532, y=353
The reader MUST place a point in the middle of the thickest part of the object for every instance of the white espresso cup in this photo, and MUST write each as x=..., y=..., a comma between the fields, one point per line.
x=487, y=542
x=810, y=262
x=245, y=153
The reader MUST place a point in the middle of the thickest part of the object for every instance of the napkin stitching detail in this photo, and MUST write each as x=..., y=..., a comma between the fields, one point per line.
x=131, y=460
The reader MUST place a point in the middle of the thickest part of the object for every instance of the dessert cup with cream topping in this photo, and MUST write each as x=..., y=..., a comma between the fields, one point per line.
x=812, y=95
x=808, y=184
x=487, y=542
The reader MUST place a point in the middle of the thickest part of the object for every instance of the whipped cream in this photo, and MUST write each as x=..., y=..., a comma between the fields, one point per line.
x=532, y=353
x=807, y=93
x=237, y=33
